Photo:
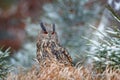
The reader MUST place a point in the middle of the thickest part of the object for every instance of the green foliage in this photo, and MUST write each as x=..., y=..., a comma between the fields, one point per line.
x=106, y=51
x=3, y=63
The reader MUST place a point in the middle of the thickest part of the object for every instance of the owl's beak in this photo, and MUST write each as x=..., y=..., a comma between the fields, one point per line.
x=49, y=35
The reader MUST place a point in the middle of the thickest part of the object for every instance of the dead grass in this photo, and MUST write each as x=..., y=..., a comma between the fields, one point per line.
x=57, y=71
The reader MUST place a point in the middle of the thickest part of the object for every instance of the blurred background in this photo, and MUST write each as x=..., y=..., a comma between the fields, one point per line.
x=19, y=25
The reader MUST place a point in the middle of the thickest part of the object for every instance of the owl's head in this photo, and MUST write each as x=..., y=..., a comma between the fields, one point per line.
x=48, y=32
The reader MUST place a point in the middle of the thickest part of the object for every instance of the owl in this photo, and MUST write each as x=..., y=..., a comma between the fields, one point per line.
x=49, y=48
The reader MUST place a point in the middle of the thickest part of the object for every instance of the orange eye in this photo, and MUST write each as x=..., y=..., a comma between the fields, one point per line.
x=45, y=32
x=53, y=32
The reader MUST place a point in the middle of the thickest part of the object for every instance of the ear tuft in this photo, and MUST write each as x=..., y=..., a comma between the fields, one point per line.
x=53, y=27
x=43, y=27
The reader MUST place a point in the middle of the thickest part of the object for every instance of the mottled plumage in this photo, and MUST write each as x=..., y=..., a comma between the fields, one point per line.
x=48, y=47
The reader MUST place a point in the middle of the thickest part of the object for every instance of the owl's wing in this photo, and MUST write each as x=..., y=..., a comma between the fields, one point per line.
x=67, y=56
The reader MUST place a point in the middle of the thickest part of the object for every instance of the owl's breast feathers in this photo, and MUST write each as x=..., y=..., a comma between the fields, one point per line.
x=54, y=50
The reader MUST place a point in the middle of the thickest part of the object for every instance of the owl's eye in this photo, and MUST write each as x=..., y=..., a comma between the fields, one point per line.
x=53, y=32
x=45, y=32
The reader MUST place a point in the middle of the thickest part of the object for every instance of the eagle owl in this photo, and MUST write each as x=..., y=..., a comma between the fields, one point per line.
x=48, y=47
